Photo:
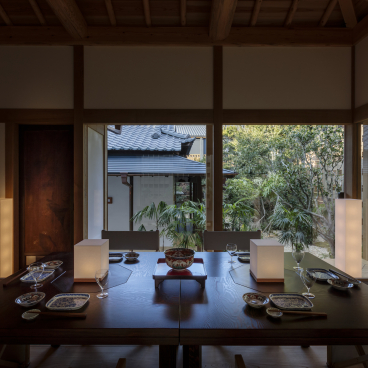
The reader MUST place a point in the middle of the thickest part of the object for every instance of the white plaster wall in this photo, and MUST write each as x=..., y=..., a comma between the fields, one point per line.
x=287, y=78
x=2, y=160
x=361, y=73
x=118, y=211
x=148, y=77
x=36, y=77
x=95, y=184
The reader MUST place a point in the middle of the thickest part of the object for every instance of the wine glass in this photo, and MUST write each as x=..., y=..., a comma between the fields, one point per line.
x=298, y=255
x=36, y=270
x=102, y=277
x=308, y=278
x=231, y=248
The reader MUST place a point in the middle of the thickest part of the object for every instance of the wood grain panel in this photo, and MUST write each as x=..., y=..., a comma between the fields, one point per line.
x=46, y=189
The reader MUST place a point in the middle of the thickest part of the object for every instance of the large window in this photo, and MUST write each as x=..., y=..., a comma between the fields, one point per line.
x=286, y=182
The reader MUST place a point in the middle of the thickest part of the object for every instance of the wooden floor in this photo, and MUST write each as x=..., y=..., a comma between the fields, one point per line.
x=147, y=357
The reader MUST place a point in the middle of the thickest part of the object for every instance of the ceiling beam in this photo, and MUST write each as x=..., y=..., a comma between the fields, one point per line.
x=110, y=12
x=348, y=12
x=361, y=30
x=38, y=12
x=70, y=17
x=222, y=15
x=147, y=12
x=326, y=15
x=183, y=12
x=291, y=12
x=256, y=10
x=178, y=36
x=5, y=17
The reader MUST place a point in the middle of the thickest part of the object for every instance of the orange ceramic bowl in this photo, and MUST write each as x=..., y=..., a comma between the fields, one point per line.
x=179, y=258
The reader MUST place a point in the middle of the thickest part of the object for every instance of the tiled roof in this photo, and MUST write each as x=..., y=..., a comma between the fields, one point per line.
x=147, y=138
x=156, y=165
x=192, y=130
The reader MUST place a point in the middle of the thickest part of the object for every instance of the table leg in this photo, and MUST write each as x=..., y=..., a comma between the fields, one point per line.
x=167, y=356
x=192, y=356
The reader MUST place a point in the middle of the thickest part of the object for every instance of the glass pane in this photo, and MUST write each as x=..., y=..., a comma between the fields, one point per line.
x=287, y=178
x=157, y=180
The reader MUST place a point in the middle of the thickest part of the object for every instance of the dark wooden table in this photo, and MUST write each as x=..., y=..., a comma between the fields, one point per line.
x=217, y=315
x=134, y=313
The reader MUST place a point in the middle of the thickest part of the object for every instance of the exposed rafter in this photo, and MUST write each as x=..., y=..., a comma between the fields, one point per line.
x=5, y=17
x=326, y=15
x=256, y=9
x=361, y=30
x=222, y=15
x=348, y=12
x=110, y=12
x=178, y=36
x=70, y=17
x=147, y=12
x=183, y=12
x=38, y=12
x=291, y=12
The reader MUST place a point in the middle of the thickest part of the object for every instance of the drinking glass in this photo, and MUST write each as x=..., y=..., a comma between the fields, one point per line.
x=36, y=270
x=308, y=278
x=102, y=277
x=231, y=248
x=298, y=256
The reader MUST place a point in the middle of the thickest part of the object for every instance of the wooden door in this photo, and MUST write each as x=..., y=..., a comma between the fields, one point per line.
x=46, y=190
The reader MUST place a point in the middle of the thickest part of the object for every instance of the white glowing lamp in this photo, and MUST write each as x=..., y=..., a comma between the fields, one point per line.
x=348, y=236
x=6, y=237
x=90, y=255
x=267, y=260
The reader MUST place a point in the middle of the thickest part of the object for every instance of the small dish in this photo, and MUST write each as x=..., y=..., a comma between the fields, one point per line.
x=244, y=257
x=45, y=274
x=53, y=264
x=131, y=256
x=322, y=274
x=30, y=299
x=67, y=301
x=255, y=300
x=340, y=284
x=274, y=313
x=29, y=316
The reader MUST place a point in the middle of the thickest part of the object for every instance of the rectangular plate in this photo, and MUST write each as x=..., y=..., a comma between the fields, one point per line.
x=28, y=277
x=322, y=274
x=291, y=301
x=67, y=301
x=347, y=277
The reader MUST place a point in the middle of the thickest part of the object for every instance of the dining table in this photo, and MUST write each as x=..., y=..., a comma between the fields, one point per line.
x=183, y=312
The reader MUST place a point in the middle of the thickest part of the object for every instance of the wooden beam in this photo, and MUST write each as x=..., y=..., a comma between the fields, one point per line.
x=291, y=12
x=361, y=30
x=217, y=137
x=361, y=114
x=222, y=15
x=110, y=12
x=5, y=17
x=147, y=12
x=209, y=177
x=70, y=17
x=348, y=12
x=38, y=12
x=183, y=12
x=326, y=15
x=37, y=116
x=256, y=10
x=178, y=36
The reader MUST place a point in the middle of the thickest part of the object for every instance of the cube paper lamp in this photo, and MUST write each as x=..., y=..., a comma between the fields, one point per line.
x=267, y=260
x=6, y=237
x=90, y=255
x=348, y=236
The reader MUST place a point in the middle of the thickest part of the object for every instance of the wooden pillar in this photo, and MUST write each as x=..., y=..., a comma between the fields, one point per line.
x=80, y=151
x=12, y=182
x=209, y=178
x=217, y=137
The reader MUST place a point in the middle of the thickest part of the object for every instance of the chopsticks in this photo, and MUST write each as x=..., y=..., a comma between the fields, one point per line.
x=5, y=284
x=303, y=313
x=60, y=314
